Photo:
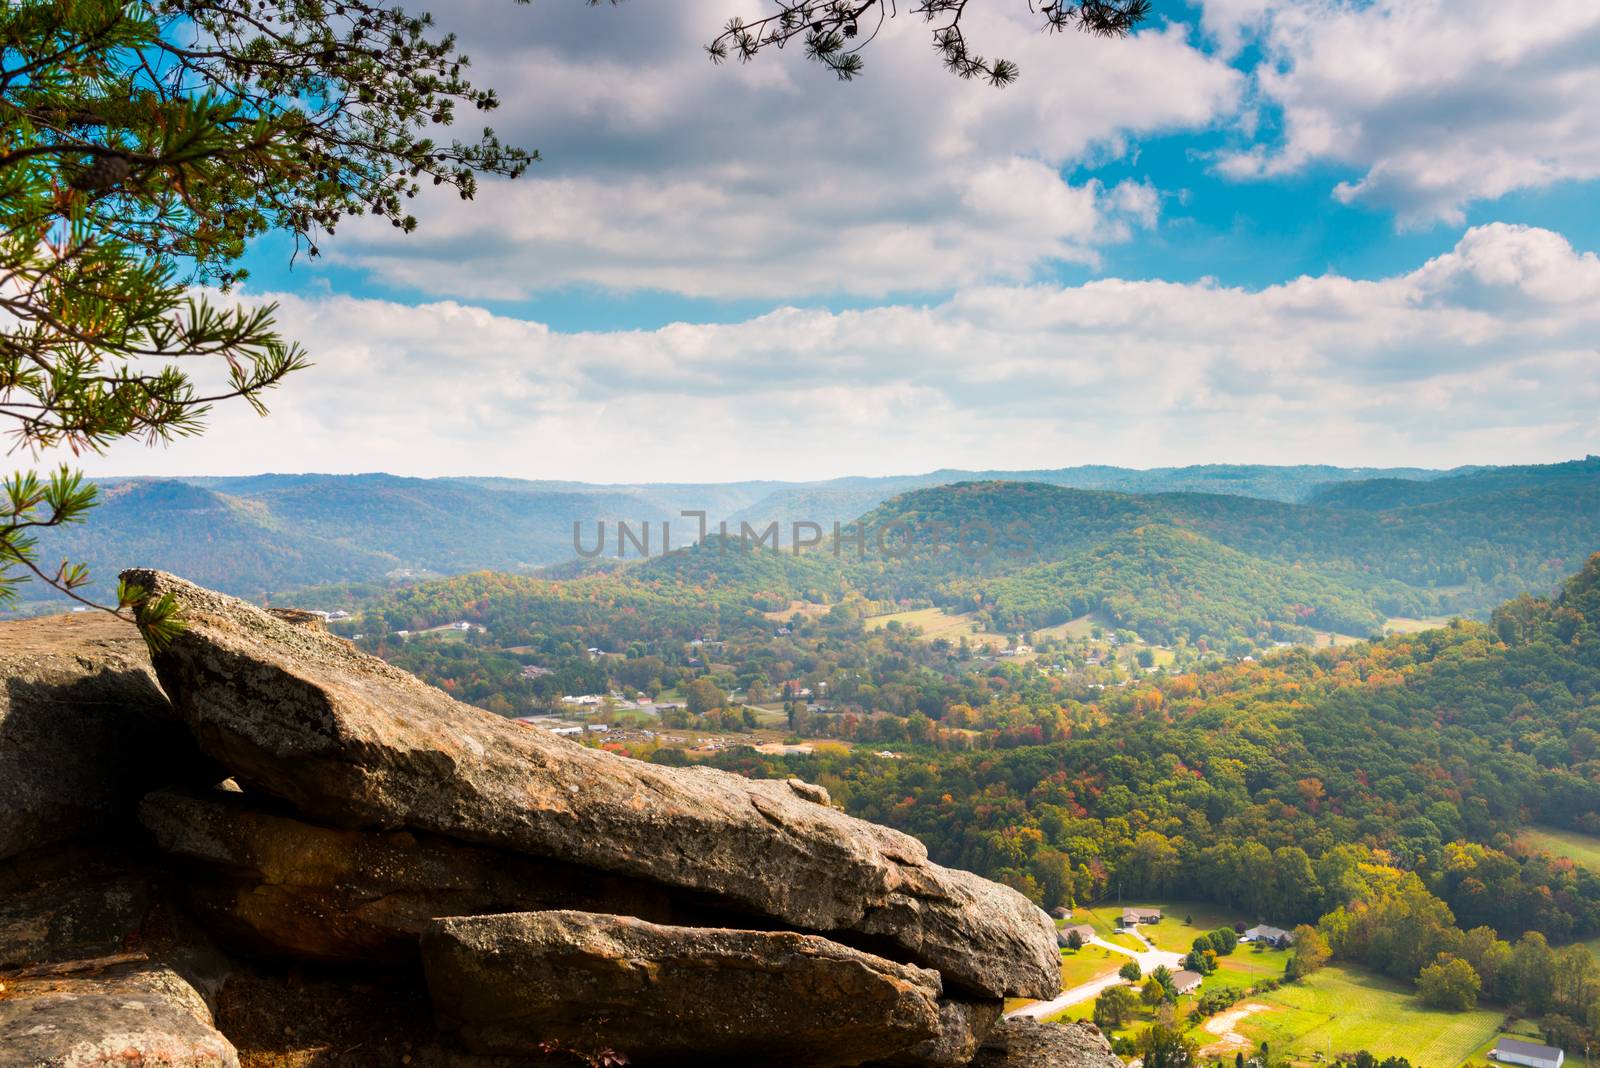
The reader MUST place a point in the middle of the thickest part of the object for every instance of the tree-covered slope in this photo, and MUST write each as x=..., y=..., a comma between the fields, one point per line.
x=1266, y=785
x=225, y=542
x=1170, y=584
x=1460, y=554
x=444, y=525
x=1392, y=491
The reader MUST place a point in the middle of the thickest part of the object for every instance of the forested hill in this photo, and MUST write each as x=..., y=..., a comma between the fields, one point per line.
x=1184, y=565
x=1275, y=786
x=1281, y=550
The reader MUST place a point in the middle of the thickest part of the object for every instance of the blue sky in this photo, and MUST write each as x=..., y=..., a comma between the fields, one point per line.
x=1259, y=231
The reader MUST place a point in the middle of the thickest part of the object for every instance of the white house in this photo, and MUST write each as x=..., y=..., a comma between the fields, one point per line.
x=1185, y=981
x=1268, y=934
x=1084, y=931
x=1516, y=1051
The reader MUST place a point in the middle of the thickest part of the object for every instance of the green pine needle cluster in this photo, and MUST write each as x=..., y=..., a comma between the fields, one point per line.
x=143, y=143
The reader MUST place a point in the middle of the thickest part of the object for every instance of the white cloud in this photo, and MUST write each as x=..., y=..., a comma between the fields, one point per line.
x=773, y=180
x=1483, y=354
x=1437, y=103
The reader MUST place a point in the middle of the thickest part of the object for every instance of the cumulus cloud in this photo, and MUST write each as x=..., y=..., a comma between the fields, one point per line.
x=1486, y=353
x=772, y=180
x=1436, y=103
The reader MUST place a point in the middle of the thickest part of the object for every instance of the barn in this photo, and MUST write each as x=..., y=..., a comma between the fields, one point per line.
x=1516, y=1051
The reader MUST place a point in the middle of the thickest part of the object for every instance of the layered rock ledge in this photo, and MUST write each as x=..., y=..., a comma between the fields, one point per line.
x=394, y=878
x=672, y=995
x=352, y=741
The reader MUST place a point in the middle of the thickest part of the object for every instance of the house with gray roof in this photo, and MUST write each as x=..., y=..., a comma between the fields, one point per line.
x=1533, y=1054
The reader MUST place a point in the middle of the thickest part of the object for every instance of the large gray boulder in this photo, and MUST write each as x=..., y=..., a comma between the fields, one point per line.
x=84, y=728
x=1022, y=1042
x=97, y=970
x=963, y=1025
x=142, y=1015
x=665, y=995
x=269, y=882
x=349, y=740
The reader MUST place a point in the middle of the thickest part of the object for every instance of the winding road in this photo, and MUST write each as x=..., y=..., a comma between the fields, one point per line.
x=1149, y=960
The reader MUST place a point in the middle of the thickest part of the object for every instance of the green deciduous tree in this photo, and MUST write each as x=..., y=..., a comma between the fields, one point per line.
x=1163, y=1046
x=1311, y=952
x=1451, y=984
x=1113, y=1008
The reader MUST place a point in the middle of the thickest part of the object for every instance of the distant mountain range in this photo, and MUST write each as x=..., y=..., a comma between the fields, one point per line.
x=265, y=535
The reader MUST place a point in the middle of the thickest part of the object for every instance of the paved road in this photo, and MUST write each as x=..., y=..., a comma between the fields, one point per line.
x=1149, y=960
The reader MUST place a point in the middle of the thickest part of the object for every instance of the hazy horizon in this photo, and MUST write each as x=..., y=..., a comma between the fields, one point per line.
x=844, y=475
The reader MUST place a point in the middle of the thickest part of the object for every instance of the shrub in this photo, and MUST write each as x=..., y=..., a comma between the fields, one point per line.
x=1451, y=985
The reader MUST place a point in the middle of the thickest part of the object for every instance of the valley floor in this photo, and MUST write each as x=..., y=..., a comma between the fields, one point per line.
x=1340, y=1009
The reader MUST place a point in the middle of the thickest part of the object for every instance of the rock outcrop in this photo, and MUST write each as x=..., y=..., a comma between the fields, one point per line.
x=296, y=890
x=96, y=970
x=66, y=903
x=350, y=740
x=963, y=1025
x=84, y=729
x=143, y=1015
x=402, y=879
x=1027, y=1043
x=672, y=995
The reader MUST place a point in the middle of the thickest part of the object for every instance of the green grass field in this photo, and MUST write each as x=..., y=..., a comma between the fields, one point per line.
x=1581, y=849
x=1087, y=964
x=1341, y=1010
x=1104, y=921
x=1248, y=965
x=937, y=623
x=1182, y=921
x=1527, y=1030
x=1076, y=629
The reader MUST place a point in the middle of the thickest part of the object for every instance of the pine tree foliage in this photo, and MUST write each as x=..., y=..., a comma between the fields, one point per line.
x=143, y=143
x=834, y=32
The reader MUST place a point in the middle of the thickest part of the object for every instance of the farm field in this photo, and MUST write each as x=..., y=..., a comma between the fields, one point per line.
x=807, y=609
x=937, y=623
x=1076, y=629
x=1337, y=1010
x=1342, y=1009
x=1407, y=625
x=1581, y=849
x=1527, y=1030
x=1248, y=965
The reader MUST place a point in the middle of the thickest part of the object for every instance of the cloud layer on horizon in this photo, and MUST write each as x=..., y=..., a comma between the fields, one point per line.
x=1484, y=354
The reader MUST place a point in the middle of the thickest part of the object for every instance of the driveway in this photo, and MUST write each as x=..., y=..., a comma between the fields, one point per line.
x=1149, y=960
